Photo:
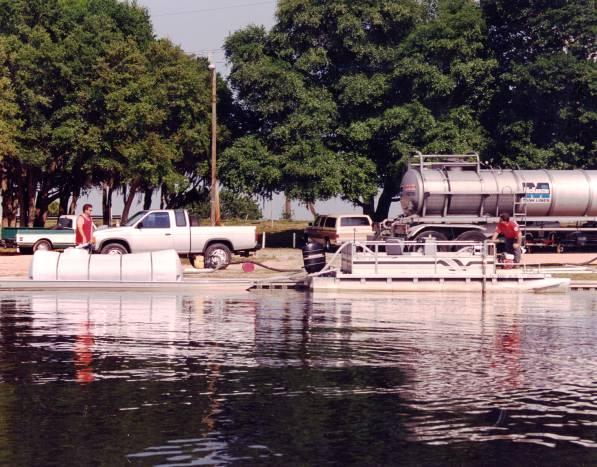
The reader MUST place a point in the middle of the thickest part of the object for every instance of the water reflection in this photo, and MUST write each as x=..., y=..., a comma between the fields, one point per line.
x=292, y=378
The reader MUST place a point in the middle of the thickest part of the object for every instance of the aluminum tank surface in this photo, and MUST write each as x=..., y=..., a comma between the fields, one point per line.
x=440, y=191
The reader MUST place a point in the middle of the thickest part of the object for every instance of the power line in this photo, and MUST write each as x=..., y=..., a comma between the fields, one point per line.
x=177, y=13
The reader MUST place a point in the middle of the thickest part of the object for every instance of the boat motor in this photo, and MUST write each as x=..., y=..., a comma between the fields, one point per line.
x=313, y=257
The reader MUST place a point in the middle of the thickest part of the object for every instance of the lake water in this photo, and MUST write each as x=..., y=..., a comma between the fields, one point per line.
x=296, y=379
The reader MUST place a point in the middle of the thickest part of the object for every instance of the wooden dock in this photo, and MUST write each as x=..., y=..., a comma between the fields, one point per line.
x=583, y=285
x=289, y=284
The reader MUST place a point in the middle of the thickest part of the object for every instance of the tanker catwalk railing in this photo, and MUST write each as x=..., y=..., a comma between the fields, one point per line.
x=446, y=160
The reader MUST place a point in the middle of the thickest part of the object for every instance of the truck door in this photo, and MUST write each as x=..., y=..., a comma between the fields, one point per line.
x=181, y=232
x=152, y=233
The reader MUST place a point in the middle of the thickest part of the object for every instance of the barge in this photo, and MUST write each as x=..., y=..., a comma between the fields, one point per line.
x=431, y=266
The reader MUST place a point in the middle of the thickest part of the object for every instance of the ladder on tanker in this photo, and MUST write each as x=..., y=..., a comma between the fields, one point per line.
x=519, y=212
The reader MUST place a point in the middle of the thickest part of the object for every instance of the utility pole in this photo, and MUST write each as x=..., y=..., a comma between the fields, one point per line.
x=214, y=195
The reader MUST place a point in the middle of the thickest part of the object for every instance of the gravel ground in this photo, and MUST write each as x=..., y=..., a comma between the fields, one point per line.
x=287, y=259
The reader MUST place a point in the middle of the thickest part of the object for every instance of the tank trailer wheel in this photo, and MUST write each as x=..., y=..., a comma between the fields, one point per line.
x=469, y=236
x=217, y=256
x=114, y=249
x=430, y=234
x=42, y=245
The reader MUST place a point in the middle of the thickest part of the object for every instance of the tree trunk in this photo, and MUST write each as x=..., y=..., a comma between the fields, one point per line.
x=107, y=204
x=311, y=208
x=6, y=199
x=63, y=203
x=23, y=206
x=9, y=204
x=369, y=207
x=72, y=209
x=147, y=199
x=31, y=194
x=128, y=201
x=287, y=208
x=389, y=191
x=41, y=210
x=383, y=205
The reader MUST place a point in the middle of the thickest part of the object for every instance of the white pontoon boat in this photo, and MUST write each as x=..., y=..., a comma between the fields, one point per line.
x=400, y=266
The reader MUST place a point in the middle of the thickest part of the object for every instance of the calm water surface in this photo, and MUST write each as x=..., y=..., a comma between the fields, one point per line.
x=293, y=379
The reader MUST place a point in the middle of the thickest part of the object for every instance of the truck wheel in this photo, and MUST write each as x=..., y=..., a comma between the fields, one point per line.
x=560, y=248
x=42, y=245
x=114, y=249
x=217, y=256
x=430, y=234
x=469, y=236
x=327, y=245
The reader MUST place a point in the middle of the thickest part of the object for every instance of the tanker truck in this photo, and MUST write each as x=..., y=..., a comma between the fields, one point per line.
x=452, y=197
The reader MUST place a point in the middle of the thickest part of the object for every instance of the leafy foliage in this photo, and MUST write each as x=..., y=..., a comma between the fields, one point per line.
x=339, y=94
x=102, y=102
x=543, y=113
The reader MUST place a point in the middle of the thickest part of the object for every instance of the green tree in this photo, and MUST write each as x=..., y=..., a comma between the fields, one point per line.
x=104, y=104
x=340, y=93
x=53, y=46
x=544, y=112
x=183, y=91
x=9, y=131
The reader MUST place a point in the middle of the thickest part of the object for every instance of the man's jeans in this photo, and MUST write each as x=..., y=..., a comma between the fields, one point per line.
x=509, y=248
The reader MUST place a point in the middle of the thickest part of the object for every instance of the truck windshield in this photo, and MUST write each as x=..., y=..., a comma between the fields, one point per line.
x=135, y=217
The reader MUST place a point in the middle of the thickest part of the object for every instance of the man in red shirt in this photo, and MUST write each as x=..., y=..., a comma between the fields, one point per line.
x=84, y=227
x=512, y=236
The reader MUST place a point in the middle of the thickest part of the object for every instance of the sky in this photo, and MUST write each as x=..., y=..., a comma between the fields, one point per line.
x=201, y=27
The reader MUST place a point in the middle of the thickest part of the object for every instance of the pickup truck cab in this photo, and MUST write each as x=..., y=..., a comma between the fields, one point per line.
x=61, y=236
x=165, y=229
x=331, y=230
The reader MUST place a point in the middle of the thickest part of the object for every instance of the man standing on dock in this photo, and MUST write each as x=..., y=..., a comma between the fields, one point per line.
x=84, y=228
x=512, y=236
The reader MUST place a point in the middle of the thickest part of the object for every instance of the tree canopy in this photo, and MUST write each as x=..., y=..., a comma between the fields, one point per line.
x=89, y=97
x=330, y=102
x=544, y=111
x=338, y=94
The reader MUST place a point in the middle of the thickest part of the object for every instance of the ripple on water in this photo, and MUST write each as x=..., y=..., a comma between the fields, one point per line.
x=277, y=378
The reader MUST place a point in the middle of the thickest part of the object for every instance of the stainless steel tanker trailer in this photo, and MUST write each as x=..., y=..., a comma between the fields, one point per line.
x=451, y=197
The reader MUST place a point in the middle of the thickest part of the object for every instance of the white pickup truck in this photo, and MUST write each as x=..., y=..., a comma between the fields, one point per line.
x=166, y=229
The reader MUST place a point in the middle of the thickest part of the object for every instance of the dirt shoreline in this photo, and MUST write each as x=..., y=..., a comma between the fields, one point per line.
x=289, y=259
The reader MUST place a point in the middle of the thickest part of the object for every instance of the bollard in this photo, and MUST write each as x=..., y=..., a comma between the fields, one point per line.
x=293, y=239
x=263, y=240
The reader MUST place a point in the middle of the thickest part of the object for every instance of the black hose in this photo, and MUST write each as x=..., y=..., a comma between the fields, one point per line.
x=265, y=266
